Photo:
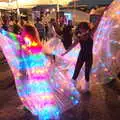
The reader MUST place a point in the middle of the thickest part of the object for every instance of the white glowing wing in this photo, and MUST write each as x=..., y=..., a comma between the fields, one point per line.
x=107, y=44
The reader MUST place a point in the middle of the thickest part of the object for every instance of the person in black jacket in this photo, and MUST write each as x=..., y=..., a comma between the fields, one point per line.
x=83, y=34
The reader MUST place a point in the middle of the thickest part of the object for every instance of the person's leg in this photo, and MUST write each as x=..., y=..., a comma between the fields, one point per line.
x=40, y=36
x=88, y=66
x=78, y=67
x=67, y=42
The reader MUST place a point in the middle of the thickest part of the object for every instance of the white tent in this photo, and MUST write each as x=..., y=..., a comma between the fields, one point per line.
x=12, y=4
x=6, y=0
x=98, y=11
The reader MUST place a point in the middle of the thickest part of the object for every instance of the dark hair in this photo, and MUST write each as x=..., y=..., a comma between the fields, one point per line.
x=84, y=25
x=29, y=29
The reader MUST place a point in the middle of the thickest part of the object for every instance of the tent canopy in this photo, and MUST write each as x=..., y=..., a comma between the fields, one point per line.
x=6, y=0
x=98, y=11
x=6, y=4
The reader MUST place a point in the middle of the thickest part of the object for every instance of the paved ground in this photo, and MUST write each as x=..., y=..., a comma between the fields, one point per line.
x=103, y=103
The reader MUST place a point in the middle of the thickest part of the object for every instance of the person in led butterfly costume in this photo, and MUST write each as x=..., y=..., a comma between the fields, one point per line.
x=85, y=55
x=42, y=86
x=106, y=53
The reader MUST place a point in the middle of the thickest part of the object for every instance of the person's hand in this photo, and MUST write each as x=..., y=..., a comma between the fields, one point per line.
x=48, y=55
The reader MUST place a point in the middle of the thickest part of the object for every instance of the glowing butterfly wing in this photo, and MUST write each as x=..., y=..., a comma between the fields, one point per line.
x=30, y=77
x=107, y=45
x=34, y=82
x=38, y=69
x=12, y=51
x=11, y=48
x=66, y=94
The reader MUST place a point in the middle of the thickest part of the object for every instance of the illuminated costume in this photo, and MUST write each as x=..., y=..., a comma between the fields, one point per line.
x=106, y=54
x=43, y=87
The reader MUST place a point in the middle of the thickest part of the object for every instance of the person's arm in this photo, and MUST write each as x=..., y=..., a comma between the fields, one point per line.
x=48, y=52
x=79, y=38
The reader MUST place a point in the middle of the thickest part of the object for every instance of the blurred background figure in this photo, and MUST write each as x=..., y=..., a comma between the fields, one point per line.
x=67, y=35
x=16, y=27
x=41, y=28
x=5, y=25
x=46, y=31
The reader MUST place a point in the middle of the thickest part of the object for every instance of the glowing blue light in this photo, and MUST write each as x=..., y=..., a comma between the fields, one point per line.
x=75, y=102
x=49, y=112
x=27, y=62
x=4, y=32
x=75, y=92
x=39, y=87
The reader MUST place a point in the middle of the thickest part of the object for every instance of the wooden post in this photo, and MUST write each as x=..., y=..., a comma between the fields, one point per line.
x=18, y=11
x=58, y=10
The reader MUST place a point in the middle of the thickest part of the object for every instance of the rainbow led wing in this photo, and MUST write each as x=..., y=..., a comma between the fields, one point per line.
x=36, y=78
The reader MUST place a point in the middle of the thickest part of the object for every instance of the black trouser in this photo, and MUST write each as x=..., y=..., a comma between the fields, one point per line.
x=41, y=35
x=88, y=65
x=67, y=45
x=67, y=42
